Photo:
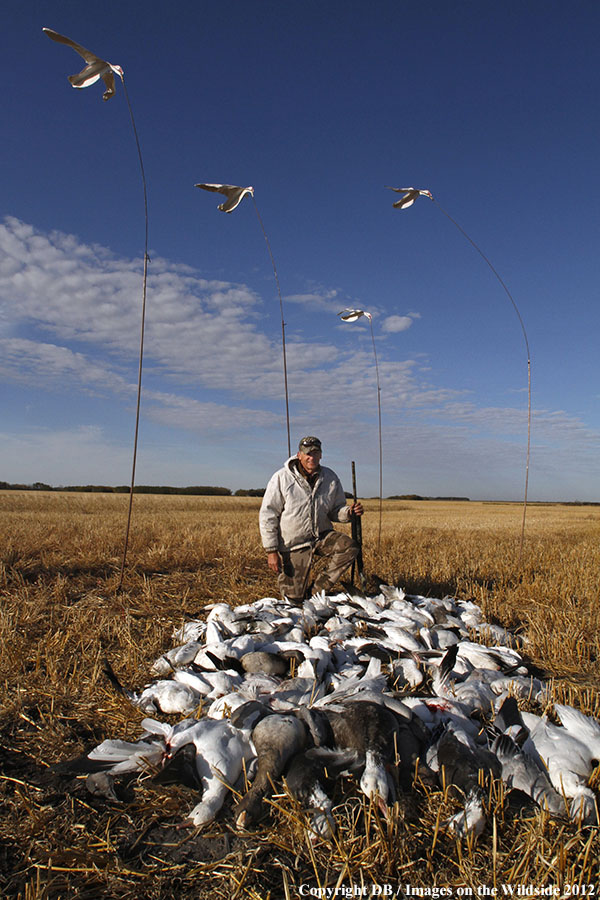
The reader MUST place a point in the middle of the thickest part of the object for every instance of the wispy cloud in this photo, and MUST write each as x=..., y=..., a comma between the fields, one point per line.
x=84, y=454
x=34, y=362
x=179, y=411
x=213, y=372
x=317, y=299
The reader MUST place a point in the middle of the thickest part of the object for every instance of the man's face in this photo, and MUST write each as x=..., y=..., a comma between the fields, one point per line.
x=310, y=461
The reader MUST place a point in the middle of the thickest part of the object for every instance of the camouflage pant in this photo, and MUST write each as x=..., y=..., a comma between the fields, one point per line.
x=339, y=551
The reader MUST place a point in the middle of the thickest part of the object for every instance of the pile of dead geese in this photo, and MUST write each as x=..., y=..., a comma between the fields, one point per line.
x=375, y=688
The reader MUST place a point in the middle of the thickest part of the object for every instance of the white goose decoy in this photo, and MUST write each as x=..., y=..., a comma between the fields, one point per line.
x=234, y=194
x=352, y=315
x=96, y=68
x=409, y=195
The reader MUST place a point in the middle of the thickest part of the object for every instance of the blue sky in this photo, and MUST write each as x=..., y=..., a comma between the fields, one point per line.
x=492, y=106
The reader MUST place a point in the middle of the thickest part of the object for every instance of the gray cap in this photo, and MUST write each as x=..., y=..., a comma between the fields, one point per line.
x=309, y=443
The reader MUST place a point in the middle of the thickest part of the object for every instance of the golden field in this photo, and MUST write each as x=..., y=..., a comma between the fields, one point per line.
x=60, y=616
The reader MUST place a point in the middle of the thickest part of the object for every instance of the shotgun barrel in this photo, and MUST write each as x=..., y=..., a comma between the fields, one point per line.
x=356, y=526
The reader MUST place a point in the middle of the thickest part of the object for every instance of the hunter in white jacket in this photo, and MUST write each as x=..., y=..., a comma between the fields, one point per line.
x=301, y=502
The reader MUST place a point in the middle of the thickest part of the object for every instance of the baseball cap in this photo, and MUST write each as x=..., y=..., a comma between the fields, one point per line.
x=309, y=443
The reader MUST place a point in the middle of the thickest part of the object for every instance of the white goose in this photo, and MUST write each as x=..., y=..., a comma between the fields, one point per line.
x=221, y=753
x=569, y=763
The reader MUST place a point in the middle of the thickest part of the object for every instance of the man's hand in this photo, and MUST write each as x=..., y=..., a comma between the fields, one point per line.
x=356, y=509
x=274, y=562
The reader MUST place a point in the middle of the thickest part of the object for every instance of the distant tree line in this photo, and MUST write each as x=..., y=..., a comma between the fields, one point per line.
x=203, y=490
x=197, y=490
x=418, y=497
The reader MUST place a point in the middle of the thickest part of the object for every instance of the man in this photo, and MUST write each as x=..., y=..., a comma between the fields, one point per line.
x=301, y=501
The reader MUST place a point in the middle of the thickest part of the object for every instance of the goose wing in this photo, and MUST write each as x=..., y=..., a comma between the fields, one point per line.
x=61, y=39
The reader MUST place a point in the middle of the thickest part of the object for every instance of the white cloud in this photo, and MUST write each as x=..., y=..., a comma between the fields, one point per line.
x=202, y=329
x=394, y=324
x=71, y=317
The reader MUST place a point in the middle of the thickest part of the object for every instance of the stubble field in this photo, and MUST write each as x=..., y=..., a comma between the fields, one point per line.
x=60, y=616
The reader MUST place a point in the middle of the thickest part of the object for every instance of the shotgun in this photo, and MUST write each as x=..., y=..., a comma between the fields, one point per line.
x=356, y=526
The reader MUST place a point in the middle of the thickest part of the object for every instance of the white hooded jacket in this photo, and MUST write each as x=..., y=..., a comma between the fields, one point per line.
x=294, y=515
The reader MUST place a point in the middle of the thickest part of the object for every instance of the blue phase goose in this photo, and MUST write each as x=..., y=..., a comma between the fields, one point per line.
x=276, y=739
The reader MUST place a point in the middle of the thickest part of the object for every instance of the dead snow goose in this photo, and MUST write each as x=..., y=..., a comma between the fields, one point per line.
x=209, y=684
x=569, y=762
x=374, y=732
x=276, y=739
x=521, y=772
x=584, y=728
x=459, y=760
x=165, y=696
x=221, y=750
x=305, y=779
